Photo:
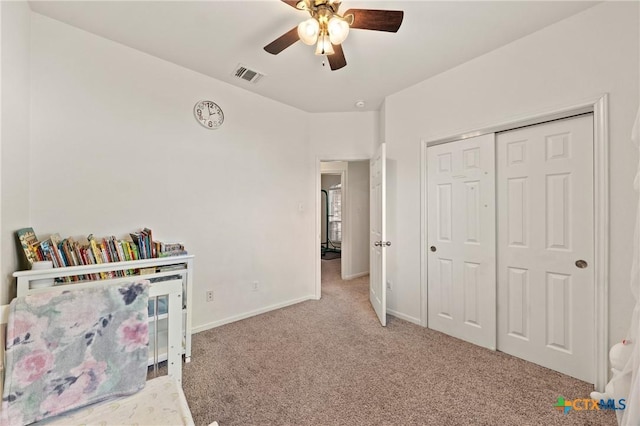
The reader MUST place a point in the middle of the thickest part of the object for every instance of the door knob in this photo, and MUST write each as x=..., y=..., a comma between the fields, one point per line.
x=382, y=243
x=432, y=248
x=581, y=264
x=377, y=243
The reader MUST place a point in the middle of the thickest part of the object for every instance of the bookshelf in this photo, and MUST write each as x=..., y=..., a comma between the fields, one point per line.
x=165, y=268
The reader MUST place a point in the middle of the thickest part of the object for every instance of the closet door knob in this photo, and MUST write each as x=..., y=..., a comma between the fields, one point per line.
x=432, y=248
x=581, y=264
x=377, y=243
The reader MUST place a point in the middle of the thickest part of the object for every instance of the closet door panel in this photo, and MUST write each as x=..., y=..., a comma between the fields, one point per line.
x=461, y=239
x=545, y=228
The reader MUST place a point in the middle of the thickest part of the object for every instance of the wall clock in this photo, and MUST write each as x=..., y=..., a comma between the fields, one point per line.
x=209, y=114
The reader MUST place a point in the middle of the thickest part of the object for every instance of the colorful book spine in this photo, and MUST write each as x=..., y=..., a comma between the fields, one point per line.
x=150, y=246
x=67, y=252
x=124, y=248
x=97, y=254
x=136, y=253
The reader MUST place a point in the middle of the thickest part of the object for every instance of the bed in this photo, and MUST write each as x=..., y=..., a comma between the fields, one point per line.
x=80, y=356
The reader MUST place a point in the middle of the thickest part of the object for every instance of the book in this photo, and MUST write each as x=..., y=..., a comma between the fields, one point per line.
x=104, y=247
x=171, y=249
x=68, y=256
x=118, y=246
x=27, y=239
x=138, y=240
x=128, y=246
x=150, y=245
x=134, y=250
x=97, y=254
x=123, y=249
x=57, y=255
x=43, y=249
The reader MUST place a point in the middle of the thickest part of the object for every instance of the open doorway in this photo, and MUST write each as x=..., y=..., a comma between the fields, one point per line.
x=343, y=218
x=331, y=216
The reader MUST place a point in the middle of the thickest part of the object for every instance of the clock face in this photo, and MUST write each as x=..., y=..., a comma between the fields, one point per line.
x=209, y=114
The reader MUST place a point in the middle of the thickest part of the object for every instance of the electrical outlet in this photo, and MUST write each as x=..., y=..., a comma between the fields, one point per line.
x=389, y=285
x=210, y=296
x=255, y=285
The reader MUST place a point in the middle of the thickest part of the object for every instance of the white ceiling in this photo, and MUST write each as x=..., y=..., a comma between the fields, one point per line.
x=213, y=37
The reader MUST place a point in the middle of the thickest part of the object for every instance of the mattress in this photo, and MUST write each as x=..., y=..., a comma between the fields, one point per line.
x=161, y=402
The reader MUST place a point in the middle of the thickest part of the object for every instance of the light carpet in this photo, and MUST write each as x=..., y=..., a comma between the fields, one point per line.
x=329, y=362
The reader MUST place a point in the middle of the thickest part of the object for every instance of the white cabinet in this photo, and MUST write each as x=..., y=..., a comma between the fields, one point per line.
x=154, y=270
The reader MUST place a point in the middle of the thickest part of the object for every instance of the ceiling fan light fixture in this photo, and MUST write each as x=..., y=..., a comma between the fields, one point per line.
x=302, y=5
x=308, y=31
x=324, y=46
x=338, y=30
x=328, y=29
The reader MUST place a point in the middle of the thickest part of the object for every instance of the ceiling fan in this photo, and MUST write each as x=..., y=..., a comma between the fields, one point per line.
x=327, y=29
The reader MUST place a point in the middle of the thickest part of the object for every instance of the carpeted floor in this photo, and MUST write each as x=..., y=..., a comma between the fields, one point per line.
x=329, y=362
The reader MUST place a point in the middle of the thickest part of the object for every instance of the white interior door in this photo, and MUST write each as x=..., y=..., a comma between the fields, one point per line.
x=377, y=240
x=461, y=239
x=546, y=245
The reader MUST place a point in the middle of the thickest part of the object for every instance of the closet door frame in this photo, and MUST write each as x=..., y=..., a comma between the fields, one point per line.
x=599, y=106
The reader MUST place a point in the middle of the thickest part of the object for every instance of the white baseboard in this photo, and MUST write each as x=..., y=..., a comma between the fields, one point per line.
x=250, y=314
x=404, y=317
x=352, y=276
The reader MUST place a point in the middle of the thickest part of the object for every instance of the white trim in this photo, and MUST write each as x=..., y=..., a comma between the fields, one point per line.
x=404, y=317
x=250, y=314
x=601, y=238
x=317, y=240
x=69, y=271
x=353, y=276
x=345, y=243
x=600, y=108
x=424, y=301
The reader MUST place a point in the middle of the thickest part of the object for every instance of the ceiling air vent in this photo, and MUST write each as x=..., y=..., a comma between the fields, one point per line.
x=244, y=73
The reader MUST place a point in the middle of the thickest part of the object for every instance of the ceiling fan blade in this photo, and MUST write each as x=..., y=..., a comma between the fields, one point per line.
x=291, y=3
x=282, y=42
x=337, y=60
x=378, y=20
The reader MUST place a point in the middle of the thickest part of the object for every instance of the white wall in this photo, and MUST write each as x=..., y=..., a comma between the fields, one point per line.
x=15, y=166
x=343, y=135
x=584, y=56
x=115, y=147
x=358, y=218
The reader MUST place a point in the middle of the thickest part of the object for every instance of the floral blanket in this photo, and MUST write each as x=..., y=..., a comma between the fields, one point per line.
x=69, y=349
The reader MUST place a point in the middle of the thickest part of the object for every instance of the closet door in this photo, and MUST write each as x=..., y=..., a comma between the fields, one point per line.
x=461, y=239
x=545, y=245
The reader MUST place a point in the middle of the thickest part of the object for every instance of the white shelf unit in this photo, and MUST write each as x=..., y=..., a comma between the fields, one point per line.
x=183, y=268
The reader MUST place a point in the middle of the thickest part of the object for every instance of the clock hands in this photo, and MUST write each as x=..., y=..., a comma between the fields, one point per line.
x=212, y=118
